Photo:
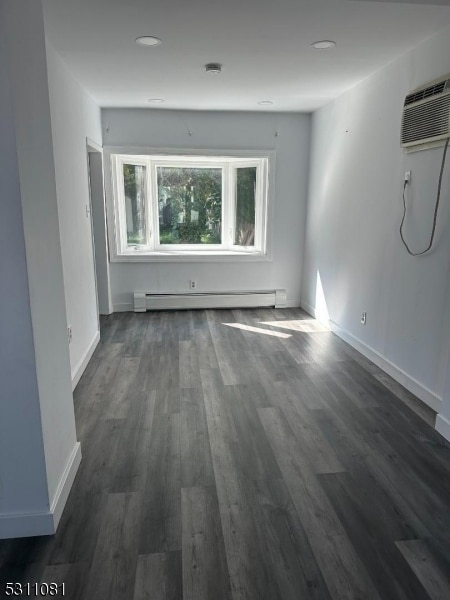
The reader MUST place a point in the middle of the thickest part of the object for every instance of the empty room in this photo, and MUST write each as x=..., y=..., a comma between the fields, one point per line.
x=225, y=299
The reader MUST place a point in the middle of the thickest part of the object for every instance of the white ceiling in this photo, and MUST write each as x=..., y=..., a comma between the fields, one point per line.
x=264, y=46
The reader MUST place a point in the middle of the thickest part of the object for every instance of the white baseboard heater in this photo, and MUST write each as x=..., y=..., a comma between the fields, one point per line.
x=146, y=301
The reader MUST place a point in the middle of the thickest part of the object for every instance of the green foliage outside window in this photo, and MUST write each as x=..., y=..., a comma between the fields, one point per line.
x=245, y=206
x=190, y=205
x=133, y=178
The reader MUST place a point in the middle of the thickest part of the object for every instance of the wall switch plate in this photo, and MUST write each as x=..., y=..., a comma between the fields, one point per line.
x=364, y=318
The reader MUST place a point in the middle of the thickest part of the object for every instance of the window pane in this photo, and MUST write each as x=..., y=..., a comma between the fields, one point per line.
x=134, y=184
x=190, y=205
x=245, y=206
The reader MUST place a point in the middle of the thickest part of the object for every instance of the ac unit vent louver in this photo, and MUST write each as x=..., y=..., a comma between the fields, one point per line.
x=432, y=90
x=426, y=116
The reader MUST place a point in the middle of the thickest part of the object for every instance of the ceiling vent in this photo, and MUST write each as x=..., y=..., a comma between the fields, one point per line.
x=426, y=116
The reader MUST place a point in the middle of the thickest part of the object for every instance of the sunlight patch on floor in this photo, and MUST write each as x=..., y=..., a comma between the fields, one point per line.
x=278, y=334
x=303, y=325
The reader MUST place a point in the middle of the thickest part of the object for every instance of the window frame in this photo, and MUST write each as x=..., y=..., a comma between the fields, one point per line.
x=121, y=204
x=260, y=207
x=153, y=251
x=186, y=248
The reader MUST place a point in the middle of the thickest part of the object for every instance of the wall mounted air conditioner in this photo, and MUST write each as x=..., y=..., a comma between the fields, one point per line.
x=426, y=116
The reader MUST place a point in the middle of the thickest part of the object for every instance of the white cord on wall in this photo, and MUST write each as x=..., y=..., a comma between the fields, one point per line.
x=438, y=199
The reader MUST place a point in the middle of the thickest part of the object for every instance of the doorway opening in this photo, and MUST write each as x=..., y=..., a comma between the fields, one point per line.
x=99, y=228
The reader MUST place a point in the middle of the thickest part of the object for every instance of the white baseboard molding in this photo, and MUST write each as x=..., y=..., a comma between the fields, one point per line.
x=292, y=303
x=81, y=366
x=43, y=523
x=65, y=485
x=308, y=308
x=123, y=307
x=26, y=525
x=411, y=384
x=312, y=311
x=443, y=426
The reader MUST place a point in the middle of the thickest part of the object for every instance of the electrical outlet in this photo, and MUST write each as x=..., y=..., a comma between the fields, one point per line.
x=193, y=284
x=69, y=333
x=364, y=318
x=407, y=176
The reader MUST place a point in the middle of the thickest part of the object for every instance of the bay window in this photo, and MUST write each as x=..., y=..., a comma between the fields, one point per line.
x=193, y=205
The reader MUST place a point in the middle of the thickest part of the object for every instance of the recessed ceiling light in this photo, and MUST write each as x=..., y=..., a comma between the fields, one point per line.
x=323, y=44
x=148, y=40
x=156, y=100
x=213, y=68
x=265, y=102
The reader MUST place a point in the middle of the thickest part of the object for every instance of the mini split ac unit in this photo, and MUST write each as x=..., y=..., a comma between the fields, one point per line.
x=426, y=116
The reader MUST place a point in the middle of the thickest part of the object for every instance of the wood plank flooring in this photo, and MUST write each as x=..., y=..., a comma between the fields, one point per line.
x=245, y=455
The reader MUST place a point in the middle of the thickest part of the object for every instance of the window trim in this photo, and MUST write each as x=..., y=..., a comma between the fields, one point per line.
x=186, y=248
x=121, y=204
x=169, y=253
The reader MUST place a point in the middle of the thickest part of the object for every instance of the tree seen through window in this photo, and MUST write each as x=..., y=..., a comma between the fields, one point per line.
x=190, y=205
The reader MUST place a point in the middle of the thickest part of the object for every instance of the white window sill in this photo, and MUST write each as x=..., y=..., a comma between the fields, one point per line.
x=191, y=256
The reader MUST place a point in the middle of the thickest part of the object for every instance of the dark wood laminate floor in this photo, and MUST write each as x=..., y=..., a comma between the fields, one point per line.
x=245, y=455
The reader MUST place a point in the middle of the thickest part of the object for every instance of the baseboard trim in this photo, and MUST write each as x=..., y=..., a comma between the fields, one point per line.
x=443, y=426
x=312, y=311
x=123, y=307
x=292, y=303
x=411, y=384
x=43, y=523
x=81, y=366
x=26, y=525
x=65, y=485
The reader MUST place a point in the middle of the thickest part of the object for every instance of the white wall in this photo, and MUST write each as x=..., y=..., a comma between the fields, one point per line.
x=39, y=452
x=75, y=117
x=233, y=131
x=354, y=213
x=22, y=466
x=100, y=235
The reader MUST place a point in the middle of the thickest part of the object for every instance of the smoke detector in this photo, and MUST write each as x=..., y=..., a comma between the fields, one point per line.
x=213, y=68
